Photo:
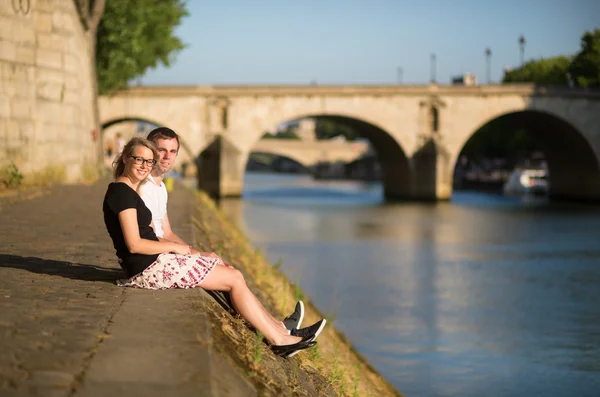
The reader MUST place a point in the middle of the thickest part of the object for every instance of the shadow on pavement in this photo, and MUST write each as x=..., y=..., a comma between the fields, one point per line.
x=73, y=271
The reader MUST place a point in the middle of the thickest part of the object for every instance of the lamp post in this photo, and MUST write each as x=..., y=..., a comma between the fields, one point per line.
x=522, y=48
x=399, y=72
x=433, y=60
x=488, y=57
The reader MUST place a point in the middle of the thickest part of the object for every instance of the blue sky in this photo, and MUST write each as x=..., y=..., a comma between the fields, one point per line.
x=364, y=42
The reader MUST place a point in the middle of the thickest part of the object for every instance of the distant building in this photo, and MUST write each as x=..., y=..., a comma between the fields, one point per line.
x=306, y=129
x=465, y=79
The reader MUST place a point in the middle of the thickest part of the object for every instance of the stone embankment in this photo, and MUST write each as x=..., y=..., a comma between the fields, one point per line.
x=67, y=330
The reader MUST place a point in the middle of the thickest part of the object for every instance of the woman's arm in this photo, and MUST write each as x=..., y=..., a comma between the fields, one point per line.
x=169, y=234
x=137, y=245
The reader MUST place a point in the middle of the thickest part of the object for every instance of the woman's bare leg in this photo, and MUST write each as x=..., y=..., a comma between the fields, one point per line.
x=223, y=278
x=277, y=323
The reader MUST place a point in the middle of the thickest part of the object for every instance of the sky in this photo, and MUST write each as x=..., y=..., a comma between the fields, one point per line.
x=366, y=42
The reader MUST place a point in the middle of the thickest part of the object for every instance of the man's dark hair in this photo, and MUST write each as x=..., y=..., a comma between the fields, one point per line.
x=163, y=133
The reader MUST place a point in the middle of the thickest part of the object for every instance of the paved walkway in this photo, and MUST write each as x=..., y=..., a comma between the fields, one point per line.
x=66, y=329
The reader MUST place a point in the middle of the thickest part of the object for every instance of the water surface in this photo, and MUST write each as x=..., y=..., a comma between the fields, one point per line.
x=480, y=296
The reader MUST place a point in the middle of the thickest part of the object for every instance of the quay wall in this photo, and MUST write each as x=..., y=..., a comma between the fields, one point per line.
x=46, y=90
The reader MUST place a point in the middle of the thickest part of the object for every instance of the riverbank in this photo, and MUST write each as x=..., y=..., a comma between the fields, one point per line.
x=334, y=362
x=68, y=330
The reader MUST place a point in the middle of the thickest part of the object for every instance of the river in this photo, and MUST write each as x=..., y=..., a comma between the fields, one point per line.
x=479, y=296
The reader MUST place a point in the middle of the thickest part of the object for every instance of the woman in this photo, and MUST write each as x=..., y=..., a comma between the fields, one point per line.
x=154, y=264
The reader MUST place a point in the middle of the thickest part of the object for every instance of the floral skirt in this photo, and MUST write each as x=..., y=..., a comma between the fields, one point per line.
x=173, y=271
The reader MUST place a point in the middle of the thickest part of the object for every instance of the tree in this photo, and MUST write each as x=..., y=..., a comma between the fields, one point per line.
x=328, y=129
x=90, y=12
x=502, y=138
x=134, y=36
x=585, y=68
x=287, y=134
x=552, y=71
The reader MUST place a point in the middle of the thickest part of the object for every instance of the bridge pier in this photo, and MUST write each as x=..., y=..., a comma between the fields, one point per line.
x=426, y=176
x=431, y=172
x=221, y=169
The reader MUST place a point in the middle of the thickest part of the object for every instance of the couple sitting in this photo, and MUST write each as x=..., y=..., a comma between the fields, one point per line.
x=153, y=257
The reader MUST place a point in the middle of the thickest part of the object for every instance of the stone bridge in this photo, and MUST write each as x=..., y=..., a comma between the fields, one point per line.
x=310, y=153
x=417, y=132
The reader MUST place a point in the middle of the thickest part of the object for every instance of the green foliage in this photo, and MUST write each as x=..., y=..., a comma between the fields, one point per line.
x=278, y=264
x=582, y=70
x=257, y=355
x=356, y=378
x=585, y=68
x=11, y=176
x=287, y=134
x=499, y=141
x=327, y=129
x=298, y=294
x=551, y=71
x=134, y=36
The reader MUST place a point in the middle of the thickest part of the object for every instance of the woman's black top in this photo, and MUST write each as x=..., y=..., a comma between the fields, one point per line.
x=120, y=197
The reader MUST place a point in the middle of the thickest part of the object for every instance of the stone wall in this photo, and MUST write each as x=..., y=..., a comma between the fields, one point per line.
x=46, y=92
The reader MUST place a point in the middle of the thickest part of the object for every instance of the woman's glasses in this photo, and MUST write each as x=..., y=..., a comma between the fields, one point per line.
x=140, y=160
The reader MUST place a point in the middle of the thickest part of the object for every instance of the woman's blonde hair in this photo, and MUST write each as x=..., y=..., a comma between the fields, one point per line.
x=119, y=164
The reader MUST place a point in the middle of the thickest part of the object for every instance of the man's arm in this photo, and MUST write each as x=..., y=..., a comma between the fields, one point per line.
x=168, y=232
x=171, y=236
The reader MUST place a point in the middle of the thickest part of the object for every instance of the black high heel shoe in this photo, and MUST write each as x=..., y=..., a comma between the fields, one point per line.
x=291, y=350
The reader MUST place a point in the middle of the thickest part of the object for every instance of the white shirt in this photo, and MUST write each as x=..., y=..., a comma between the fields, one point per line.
x=155, y=197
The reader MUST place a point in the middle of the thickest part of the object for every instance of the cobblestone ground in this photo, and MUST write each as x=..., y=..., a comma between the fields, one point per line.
x=66, y=329
x=57, y=291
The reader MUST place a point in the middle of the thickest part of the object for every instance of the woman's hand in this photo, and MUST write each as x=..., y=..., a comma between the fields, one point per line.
x=182, y=249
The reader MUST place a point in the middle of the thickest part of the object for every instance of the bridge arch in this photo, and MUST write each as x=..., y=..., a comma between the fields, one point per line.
x=573, y=164
x=283, y=154
x=295, y=161
x=185, y=153
x=394, y=163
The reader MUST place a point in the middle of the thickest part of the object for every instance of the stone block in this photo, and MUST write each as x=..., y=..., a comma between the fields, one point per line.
x=49, y=112
x=4, y=106
x=61, y=21
x=20, y=108
x=12, y=129
x=52, y=41
x=26, y=34
x=73, y=173
x=72, y=97
x=51, y=91
x=6, y=8
x=25, y=55
x=73, y=82
x=22, y=90
x=43, y=22
x=44, y=76
x=72, y=63
x=26, y=132
x=8, y=51
x=45, y=5
x=48, y=58
x=3, y=134
x=7, y=31
x=69, y=115
x=6, y=72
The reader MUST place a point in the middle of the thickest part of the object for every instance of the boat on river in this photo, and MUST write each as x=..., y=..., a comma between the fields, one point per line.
x=527, y=181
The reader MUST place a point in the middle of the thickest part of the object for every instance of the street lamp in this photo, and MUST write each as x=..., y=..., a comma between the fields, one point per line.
x=399, y=72
x=433, y=59
x=488, y=57
x=522, y=48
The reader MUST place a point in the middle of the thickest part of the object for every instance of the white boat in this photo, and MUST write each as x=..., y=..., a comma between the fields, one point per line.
x=527, y=181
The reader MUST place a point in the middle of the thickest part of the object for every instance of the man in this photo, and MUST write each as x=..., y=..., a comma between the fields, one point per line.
x=154, y=192
x=155, y=196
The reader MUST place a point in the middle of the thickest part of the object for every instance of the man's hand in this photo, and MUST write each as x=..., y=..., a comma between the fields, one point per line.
x=211, y=255
x=202, y=253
